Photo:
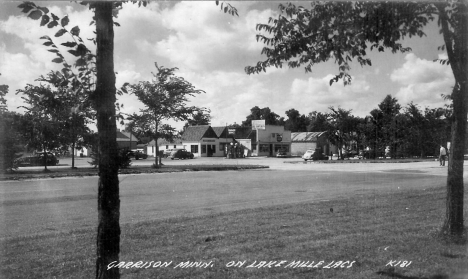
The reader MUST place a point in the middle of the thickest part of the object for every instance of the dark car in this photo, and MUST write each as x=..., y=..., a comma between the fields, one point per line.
x=314, y=155
x=37, y=160
x=181, y=154
x=137, y=155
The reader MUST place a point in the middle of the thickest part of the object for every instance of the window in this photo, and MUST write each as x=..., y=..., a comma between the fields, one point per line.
x=264, y=148
x=167, y=146
x=175, y=146
x=283, y=147
x=194, y=148
x=203, y=149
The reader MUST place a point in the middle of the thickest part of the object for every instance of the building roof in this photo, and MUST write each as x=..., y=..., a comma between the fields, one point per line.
x=125, y=136
x=306, y=136
x=240, y=133
x=245, y=133
x=220, y=131
x=196, y=133
x=165, y=142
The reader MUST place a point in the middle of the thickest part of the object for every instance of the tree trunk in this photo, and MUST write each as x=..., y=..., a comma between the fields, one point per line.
x=157, y=157
x=73, y=155
x=156, y=137
x=457, y=51
x=108, y=234
x=453, y=224
x=45, y=158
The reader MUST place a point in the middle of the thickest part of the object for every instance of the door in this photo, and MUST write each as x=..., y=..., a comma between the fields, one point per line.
x=209, y=151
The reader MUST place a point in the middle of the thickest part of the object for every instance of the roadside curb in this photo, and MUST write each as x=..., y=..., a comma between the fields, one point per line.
x=357, y=161
x=83, y=172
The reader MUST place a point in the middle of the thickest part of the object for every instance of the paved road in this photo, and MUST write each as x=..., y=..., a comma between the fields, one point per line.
x=52, y=205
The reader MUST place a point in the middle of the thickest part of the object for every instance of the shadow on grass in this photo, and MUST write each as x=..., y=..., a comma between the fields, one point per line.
x=392, y=274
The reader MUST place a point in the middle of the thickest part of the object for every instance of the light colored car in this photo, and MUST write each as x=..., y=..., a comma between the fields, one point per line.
x=281, y=154
x=314, y=155
x=167, y=153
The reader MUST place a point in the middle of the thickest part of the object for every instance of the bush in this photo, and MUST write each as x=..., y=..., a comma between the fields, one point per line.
x=8, y=145
x=124, y=160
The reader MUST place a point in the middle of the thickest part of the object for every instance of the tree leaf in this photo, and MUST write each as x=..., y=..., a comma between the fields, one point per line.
x=26, y=9
x=52, y=24
x=64, y=22
x=48, y=43
x=54, y=17
x=35, y=14
x=44, y=9
x=60, y=32
x=69, y=44
x=74, y=52
x=80, y=62
x=45, y=20
x=53, y=50
x=75, y=31
x=58, y=60
x=81, y=49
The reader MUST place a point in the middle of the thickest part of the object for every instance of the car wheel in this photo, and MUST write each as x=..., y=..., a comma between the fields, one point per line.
x=172, y=158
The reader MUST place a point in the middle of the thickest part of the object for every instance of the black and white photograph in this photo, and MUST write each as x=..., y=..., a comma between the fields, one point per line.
x=233, y=139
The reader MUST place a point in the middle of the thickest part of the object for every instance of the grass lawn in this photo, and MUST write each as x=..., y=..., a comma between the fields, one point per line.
x=355, y=238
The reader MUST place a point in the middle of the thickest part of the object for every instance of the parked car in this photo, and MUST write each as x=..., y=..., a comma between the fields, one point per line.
x=137, y=155
x=181, y=154
x=371, y=154
x=167, y=152
x=314, y=155
x=37, y=160
x=281, y=154
x=350, y=154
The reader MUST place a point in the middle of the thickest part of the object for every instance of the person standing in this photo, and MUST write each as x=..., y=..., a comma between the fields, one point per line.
x=442, y=154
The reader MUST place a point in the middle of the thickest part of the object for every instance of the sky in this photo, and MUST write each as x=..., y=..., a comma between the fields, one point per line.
x=211, y=50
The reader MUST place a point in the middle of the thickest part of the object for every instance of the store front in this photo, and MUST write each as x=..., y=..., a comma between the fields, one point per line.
x=272, y=139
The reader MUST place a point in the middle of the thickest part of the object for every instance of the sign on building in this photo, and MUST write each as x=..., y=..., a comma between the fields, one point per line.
x=258, y=124
x=231, y=131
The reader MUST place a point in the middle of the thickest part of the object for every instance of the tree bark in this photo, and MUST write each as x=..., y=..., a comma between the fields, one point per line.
x=453, y=224
x=108, y=234
x=45, y=158
x=457, y=51
x=73, y=155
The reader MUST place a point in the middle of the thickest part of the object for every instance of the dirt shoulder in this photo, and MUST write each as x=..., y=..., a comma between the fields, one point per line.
x=22, y=174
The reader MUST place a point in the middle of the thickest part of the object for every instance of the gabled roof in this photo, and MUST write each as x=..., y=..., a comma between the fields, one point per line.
x=306, y=136
x=196, y=133
x=240, y=133
x=220, y=131
x=125, y=136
